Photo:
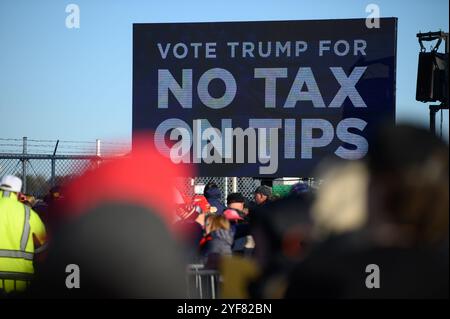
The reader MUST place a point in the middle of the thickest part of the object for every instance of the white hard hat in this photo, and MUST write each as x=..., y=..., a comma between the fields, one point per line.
x=11, y=183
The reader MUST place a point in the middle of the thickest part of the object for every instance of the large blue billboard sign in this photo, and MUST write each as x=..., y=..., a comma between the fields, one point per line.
x=263, y=99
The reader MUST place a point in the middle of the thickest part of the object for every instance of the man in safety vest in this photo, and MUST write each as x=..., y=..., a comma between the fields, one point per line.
x=21, y=230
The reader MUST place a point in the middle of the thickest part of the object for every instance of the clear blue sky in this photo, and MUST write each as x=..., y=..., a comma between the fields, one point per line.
x=76, y=84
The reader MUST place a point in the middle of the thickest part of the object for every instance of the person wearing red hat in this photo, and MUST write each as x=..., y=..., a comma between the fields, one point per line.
x=236, y=202
x=239, y=225
x=115, y=224
x=190, y=228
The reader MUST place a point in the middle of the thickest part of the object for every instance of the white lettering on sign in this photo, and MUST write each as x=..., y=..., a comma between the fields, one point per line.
x=205, y=143
x=305, y=77
x=278, y=87
x=260, y=49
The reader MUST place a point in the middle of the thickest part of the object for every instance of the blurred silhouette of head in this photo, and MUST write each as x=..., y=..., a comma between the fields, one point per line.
x=341, y=201
x=282, y=231
x=115, y=226
x=409, y=185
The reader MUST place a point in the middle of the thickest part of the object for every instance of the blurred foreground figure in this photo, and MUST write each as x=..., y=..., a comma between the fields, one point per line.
x=402, y=249
x=114, y=238
x=282, y=232
x=21, y=231
x=408, y=194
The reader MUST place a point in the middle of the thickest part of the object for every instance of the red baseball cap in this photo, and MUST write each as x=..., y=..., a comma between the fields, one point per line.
x=232, y=214
x=143, y=177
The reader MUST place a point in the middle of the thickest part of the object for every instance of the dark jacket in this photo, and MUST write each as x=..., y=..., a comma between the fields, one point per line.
x=213, y=196
x=189, y=233
x=240, y=232
x=218, y=242
x=335, y=269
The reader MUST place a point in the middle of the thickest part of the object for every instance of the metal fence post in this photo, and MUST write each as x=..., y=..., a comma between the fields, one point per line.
x=225, y=192
x=53, y=172
x=234, y=182
x=98, y=151
x=53, y=160
x=97, y=147
x=24, y=165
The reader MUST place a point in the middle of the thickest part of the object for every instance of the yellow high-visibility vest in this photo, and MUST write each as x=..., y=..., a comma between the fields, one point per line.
x=19, y=224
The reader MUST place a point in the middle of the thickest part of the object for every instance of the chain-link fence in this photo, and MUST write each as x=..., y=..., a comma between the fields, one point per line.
x=244, y=185
x=47, y=163
x=42, y=164
x=45, y=171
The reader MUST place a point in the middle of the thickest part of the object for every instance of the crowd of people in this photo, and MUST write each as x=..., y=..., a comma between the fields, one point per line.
x=209, y=229
x=117, y=224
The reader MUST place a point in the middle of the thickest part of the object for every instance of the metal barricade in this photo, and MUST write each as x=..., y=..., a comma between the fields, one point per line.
x=202, y=283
